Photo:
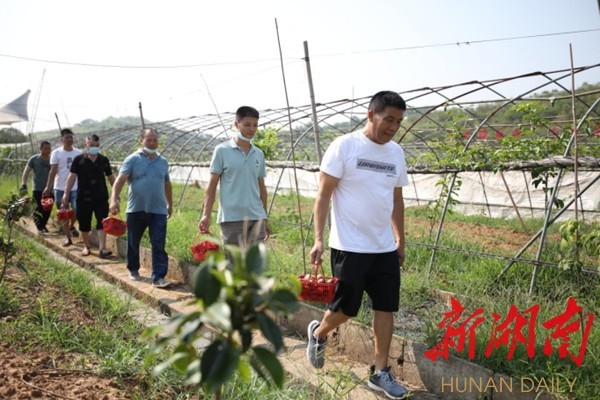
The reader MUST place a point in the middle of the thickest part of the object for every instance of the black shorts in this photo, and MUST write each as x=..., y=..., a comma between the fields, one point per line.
x=376, y=274
x=84, y=212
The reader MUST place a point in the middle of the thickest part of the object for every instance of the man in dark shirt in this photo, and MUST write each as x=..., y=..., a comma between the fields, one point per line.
x=90, y=169
x=40, y=165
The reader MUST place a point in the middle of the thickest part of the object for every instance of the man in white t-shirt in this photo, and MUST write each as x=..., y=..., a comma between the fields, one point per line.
x=362, y=175
x=60, y=167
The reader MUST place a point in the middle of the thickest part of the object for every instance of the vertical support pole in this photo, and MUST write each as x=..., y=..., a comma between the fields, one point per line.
x=58, y=122
x=312, y=102
x=142, y=115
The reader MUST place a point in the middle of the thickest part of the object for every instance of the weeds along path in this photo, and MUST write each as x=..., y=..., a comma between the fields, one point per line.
x=62, y=372
x=51, y=337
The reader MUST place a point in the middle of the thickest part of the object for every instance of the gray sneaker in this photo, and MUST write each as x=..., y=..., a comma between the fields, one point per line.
x=161, y=283
x=385, y=382
x=315, y=351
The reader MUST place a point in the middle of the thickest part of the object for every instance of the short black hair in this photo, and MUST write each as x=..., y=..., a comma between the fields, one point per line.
x=146, y=130
x=44, y=143
x=384, y=99
x=66, y=131
x=246, y=111
x=93, y=137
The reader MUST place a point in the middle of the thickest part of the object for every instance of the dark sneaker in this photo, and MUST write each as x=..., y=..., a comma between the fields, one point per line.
x=135, y=276
x=104, y=253
x=67, y=242
x=45, y=230
x=385, y=382
x=161, y=283
x=74, y=232
x=315, y=351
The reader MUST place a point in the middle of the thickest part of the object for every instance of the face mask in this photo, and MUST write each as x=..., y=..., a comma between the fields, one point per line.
x=242, y=137
x=150, y=151
x=93, y=150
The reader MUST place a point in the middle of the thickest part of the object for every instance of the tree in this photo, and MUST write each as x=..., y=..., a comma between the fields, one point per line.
x=233, y=299
x=12, y=135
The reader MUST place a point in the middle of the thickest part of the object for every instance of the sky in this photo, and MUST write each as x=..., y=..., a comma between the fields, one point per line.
x=91, y=60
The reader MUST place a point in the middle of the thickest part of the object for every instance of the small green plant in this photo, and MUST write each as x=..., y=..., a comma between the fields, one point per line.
x=268, y=141
x=575, y=244
x=13, y=210
x=233, y=299
x=448, y=192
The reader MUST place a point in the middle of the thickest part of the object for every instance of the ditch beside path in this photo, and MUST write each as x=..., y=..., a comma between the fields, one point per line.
x=342, y=377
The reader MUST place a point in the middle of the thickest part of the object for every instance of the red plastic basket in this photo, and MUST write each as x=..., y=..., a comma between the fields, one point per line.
x=114, y=226
x=64, y=214
x=199, y=250
x=47, y=203
x=317, y=287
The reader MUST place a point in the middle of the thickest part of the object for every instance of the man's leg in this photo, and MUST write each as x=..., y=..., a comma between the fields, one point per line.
x=73, y=201
x=158, y=235
x=84, y=216
x=38, y=216
x=101, y=212
x=330, y=321
x=46, y=217
x=383, y=328
x=136, y=225
x=58, y=195
x=317, y=336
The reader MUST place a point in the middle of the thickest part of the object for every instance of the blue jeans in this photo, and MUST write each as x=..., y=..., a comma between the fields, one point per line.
x=58, y=195
x=137, y=222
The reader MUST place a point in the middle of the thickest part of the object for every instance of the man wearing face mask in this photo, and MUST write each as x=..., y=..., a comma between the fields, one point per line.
x=90, y=169
x=239, y=167
x=149, y=205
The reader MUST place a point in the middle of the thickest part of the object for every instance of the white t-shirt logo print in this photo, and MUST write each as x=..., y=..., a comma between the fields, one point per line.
x=376, y=166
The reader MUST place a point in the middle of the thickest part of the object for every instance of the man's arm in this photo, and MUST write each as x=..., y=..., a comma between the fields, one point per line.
x=398, y=223
x=327, y=185
x=210, y=194
x=169, y=196
x=265, y=200
x=25, y=176
x=115, y=201
x=51, y=176
x=70, y=182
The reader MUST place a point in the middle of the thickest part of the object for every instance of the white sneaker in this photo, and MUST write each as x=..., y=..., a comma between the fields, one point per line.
x=161, y=283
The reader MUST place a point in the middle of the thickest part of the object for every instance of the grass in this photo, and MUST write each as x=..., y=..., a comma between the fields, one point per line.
x=101, y=336
x=473, y=278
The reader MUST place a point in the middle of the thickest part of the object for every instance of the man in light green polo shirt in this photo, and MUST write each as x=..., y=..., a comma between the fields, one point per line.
x=240, y=168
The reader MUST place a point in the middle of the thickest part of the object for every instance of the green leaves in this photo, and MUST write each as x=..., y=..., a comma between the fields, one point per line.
x=13, y=210
x=218, y=363
x=205, y=285
x=268, y=367
x=234, y=299
x=575, y=244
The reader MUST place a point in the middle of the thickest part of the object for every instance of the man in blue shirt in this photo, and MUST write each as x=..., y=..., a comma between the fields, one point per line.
x=149, y=205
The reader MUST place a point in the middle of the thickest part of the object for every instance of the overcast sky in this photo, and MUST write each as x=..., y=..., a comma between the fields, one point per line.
x=99, y=59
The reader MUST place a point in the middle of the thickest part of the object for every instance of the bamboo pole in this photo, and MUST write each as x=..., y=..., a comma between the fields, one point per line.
x=512, y=200
x=142, y=115
x=287, y=102
x=58, y=122
x=312, y=102
x=575, y=153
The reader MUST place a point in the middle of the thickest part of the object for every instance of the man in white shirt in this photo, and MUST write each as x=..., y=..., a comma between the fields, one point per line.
x=60, y=167
x=362, y=175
